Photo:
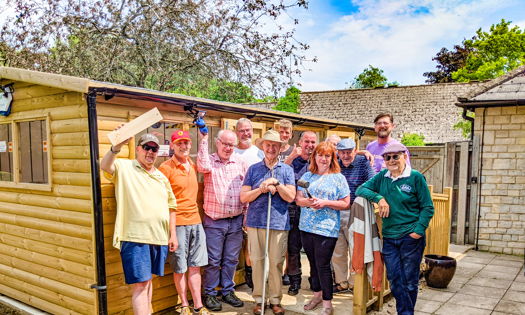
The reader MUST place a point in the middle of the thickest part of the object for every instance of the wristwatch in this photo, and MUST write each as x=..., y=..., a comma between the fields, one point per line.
x=277, y=184
x=114, y=152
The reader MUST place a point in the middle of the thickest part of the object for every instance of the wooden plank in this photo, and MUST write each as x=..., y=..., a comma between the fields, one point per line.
x=474, y=189
x=462, y=194
x=450, y=148
x=135, y=126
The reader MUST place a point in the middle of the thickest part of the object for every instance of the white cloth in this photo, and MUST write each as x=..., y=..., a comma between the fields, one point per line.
x=251, y=155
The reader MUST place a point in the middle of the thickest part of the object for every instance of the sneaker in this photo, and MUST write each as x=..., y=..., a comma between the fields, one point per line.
x=286, y=279
x=211, y=302
x=294, y=289
x=248, y=276
x=185, y=310
x=202, y=311
x=232, y=299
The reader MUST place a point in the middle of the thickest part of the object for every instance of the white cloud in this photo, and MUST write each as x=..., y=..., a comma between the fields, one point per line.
x=399, y=37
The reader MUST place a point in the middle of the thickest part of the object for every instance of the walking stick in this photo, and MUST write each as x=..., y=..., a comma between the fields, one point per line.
x=266, y=248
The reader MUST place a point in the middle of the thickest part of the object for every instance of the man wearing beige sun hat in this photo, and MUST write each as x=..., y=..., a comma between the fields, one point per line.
x=268, y=177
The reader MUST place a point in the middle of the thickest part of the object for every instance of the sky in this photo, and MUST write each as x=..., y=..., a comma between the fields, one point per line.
x=399, y=37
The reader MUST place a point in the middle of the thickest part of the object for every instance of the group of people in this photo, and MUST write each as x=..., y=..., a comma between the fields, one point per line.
x=158, y=219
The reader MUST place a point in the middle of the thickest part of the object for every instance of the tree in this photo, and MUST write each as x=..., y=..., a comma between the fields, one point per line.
x=449, y=62
x=494, y=53
x=219, y=90
x=413, y=139
x=161, y=44
x=290, y=102
x=369, y=78
x=464, y=125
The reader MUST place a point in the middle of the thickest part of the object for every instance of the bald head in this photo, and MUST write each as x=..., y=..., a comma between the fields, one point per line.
x=225, y=141
x=307, y=142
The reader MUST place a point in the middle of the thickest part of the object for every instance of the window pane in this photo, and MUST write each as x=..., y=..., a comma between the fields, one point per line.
x=6, y=157
x=33, y=152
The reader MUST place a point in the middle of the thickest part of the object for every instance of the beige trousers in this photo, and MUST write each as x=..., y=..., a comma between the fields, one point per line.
x=277, y=248
x=340, y=258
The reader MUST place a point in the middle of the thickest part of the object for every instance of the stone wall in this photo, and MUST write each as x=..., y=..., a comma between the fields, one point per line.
x=423, y=109
x=502, y=224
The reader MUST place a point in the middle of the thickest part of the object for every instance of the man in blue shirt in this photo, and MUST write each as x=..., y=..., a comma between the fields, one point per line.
x=357, y=170
x=276, y=178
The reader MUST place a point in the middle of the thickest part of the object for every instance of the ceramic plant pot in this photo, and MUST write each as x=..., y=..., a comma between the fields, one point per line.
x=439, y=270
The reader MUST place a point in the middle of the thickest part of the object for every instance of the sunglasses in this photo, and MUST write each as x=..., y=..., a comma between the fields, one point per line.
x=389, y=157
x=153, y=149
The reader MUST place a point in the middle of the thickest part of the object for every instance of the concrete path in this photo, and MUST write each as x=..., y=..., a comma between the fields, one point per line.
x=484, y=283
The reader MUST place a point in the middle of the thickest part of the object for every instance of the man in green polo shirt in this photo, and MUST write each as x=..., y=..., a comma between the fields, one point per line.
x=145, y=205
x=406, y=207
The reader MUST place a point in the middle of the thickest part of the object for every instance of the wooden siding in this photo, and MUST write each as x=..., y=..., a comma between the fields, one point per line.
x=46, y=236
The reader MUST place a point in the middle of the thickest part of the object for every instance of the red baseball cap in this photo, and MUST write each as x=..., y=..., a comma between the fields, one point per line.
x=180, y=135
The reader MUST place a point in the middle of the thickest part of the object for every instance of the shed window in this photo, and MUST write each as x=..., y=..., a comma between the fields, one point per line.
x=6, y=153
x=32, y=145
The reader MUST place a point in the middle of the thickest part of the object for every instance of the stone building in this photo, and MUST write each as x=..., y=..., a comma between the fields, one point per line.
x=423, y=109
x=500, y=121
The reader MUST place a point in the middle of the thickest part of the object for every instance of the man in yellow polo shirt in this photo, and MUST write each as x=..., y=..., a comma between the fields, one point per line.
x=192, y=253
x=145, y=213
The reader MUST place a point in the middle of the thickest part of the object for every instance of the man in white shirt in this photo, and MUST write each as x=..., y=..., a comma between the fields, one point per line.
x=250, y=153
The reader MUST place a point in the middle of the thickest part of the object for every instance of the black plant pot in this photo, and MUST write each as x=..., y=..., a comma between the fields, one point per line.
x=439, y=270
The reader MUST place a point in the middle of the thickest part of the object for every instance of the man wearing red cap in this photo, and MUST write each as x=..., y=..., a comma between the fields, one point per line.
x=191, y=253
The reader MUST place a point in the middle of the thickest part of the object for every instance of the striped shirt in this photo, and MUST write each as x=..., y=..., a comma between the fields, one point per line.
x=222, y=183
x=358, y=172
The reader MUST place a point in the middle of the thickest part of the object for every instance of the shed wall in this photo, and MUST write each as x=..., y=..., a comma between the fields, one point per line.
x=502, y=223
x=46, y=237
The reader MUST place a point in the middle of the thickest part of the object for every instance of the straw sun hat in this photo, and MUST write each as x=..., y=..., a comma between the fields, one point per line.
x=270, y=135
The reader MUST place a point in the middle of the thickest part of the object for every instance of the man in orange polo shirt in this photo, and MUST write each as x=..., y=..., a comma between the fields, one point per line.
x=192, y=252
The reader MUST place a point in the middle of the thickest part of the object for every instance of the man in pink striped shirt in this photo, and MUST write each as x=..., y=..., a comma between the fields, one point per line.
x=223, y=216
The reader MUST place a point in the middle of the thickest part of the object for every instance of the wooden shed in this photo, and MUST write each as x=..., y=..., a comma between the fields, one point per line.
x=56, y=210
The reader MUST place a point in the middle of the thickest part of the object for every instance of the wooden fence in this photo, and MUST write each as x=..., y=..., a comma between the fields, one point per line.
x=438, y=235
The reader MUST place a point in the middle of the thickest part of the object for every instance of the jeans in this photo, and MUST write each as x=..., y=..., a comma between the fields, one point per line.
x=294, y=245
x=402, y=261
x=319, y=250
x=224, y=240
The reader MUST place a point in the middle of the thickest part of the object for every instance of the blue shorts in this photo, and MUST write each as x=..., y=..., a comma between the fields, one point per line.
x=140, y=261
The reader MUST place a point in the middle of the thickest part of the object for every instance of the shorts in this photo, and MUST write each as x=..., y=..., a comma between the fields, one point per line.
x=140, y=261
x=192, y=250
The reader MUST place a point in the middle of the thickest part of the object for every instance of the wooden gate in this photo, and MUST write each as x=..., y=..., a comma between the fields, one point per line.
x=429, y=161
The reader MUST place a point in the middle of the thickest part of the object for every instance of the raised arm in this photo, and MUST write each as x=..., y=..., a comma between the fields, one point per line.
x=203, y=158
x=107, y=163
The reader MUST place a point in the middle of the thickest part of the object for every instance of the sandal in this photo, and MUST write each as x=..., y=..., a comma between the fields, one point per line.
x=327, y=311
x=312, y=304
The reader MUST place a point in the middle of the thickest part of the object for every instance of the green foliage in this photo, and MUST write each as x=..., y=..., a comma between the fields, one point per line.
x=494, y=53
x=413, y=139
x=219, y=90
x=464, y=125
x=449, y=62
x=290, y=102
x=369, y=78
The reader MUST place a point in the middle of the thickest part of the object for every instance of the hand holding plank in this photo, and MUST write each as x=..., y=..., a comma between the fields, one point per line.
x=135, y=126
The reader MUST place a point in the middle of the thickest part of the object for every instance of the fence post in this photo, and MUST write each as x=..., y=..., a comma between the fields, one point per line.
x=462, y=193
x=360, y=293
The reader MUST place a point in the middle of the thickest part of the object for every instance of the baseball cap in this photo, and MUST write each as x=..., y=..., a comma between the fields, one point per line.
x=180, y=135
x=346, y=144
x=148, y=138
x=395, y=148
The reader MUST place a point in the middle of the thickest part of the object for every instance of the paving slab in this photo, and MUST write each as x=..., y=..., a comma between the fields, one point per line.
x=496, y=275
x=509, y=258
x=477, y=290
x=515, y=296
x=492, y=283
x=503, y=269
x=472, y=266
x=520, y=277
x=435, y=295
x=518, y=286
x=509, y=263
x=427, y=306
x=466, y=272
x=476, y=260
x=474, y=301
x=449, y=309
x=419, y=313
x=510, y=307
x=473, y=253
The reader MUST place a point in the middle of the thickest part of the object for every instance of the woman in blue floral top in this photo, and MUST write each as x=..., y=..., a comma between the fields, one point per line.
x=320, y=220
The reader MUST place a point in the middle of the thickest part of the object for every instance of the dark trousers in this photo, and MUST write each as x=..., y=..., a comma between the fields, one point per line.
x=402, y=260
x=294, y=245
x=224, y=240
x=319, y=250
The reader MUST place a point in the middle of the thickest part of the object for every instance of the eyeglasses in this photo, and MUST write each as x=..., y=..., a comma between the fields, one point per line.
x=382, y=123
x=244, y=131
x=389, y=157
x=153, y=149
x=231, y=146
